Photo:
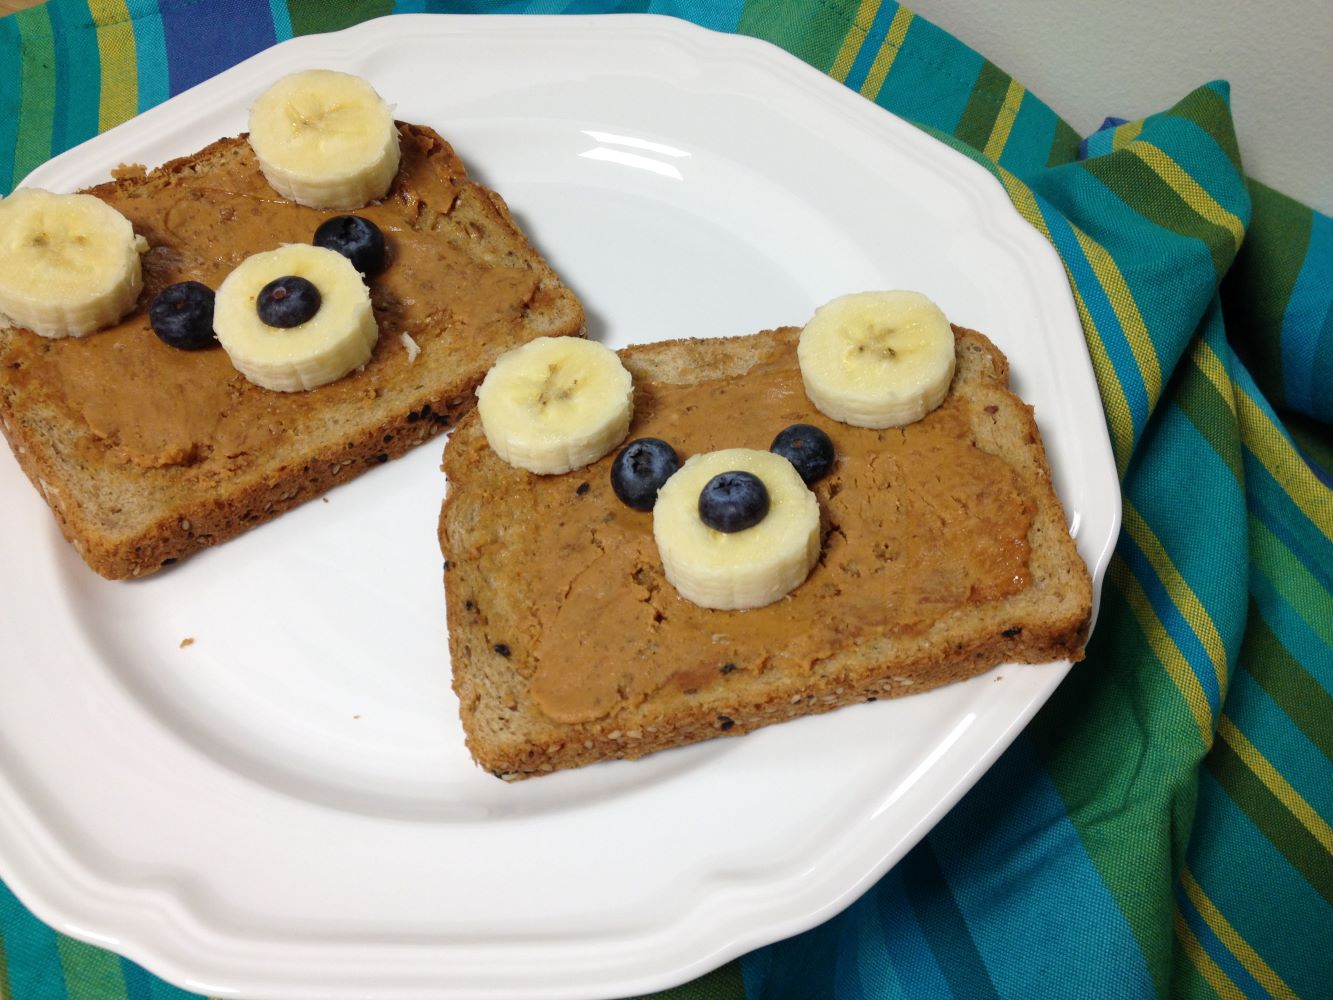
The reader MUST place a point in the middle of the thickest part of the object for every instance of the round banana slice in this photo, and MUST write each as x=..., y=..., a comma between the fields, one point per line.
x=877, y=359
x=69, y=263
x=556, y=404
x=339, y=337
x=742, y=569
x=325, y=139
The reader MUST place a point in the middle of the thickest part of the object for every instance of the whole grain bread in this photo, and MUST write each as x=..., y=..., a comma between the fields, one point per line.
x=462, y=286
x=500, y=527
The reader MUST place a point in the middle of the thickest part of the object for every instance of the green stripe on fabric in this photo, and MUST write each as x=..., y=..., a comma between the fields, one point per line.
x=1064, y=146
x=983, y=106
x=1287, y=682
x=725, y=983
x=5, y=992
x=1296, y=843
x=1206, y=408
x=1290, y=579
x=1208, y=108
x=1141, y=188
x=11, y=83
x=816, y=43
x=37, y=56
x=1260, y=283
x=90, y=968
x=1311, y=437
x=311, y=16
x=933, y=903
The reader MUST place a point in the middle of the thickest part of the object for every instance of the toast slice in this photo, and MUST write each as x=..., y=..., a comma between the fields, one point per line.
x=146, y=453
x=945, y=553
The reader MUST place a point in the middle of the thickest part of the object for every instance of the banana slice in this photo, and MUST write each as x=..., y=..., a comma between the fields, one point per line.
x=877, y=359
x=742, y=569
x=325, y=139
x=339, y=337
x=69, y=263
x=556, y=404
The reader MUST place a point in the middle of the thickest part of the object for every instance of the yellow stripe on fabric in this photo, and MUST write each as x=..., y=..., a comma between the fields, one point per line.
x=852, y=41
x=1210, y=970
x=1271, y=447
x=1180, y=592
x=1126, y=311
x=879, y=69
x=1004, y=121
x=1254, y=964
x=1119, y=419
x=1275, y=783
x=1165, y=648
x=1188, y=188
x=1125, y=134
x=1213, y=368
x=120, y=73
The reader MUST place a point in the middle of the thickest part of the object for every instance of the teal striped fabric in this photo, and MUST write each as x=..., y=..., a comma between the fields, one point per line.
x=1163, y=826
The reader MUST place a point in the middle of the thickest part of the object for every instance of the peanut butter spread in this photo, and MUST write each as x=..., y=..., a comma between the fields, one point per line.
x=154, y=405
x=917, y=521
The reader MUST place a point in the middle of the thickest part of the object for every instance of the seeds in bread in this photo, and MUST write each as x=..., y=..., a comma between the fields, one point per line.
x=146, y=453
x=887, y=611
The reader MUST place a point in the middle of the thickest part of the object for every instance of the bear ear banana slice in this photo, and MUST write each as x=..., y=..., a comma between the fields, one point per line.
x=743, y=569
x=325, y=139
x=877, y=359
x=556, y=404
x=69, y=263
x=339, y=337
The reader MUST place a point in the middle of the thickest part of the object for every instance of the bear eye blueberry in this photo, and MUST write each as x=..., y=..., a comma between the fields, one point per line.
x=357, y=239
x=640, y=470
x=287, y=301
x=807, y=448
x=182, y=315
x=733, y=501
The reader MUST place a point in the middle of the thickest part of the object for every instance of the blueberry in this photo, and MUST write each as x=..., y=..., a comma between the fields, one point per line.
x=287, y=301
x=640, y=470
x=182, y=315
x=357, y=239
x=806, y=447
x=733, y=501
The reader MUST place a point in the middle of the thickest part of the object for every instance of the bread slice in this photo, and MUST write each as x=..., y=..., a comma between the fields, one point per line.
x=146, y=453
x=569, y=646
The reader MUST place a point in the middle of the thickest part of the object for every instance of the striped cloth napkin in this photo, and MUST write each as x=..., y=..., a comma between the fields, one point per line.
x=1163, y=825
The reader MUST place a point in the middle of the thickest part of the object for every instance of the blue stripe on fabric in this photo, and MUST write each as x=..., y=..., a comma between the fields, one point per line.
x=1215, y=949
x=78, y=73
x=11, y=83
x=1306, y=317
x=138, y=983
x=1103, y=315
x=905, y=941
x=870, y=45
x=1031, y=853
x=31, y=952
x=876, y=977
x=1031, y=137
x=932, y=78
x=1281, y=741
x=1274, y=509
x=1296, y=634
x=150, y=53
x=282, y=19
x=200, y=48
x=1172, y=620
x=1234, y=844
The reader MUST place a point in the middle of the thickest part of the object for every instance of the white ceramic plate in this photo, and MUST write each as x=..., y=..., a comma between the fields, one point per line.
x=285, y=807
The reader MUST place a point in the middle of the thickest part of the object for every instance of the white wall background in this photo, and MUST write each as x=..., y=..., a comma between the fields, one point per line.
x=1088, y=59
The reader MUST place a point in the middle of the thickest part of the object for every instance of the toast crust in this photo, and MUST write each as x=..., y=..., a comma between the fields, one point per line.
x=507, y=730
x=133, y=491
